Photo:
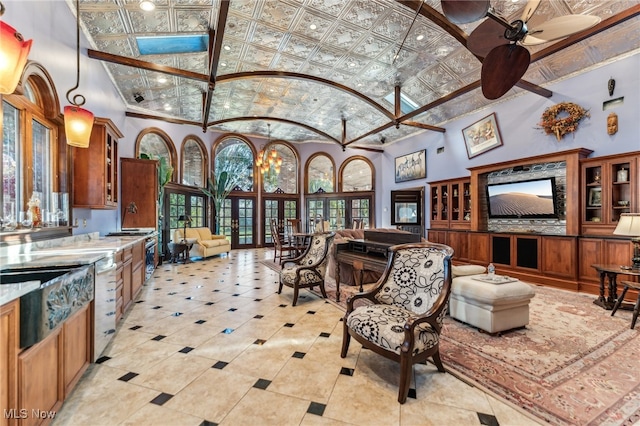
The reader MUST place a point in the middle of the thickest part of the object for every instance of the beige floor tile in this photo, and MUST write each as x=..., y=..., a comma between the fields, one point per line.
x=172, y=374
x=144, y=356
x=306, y=379
x=212, y=395
x=508, y=415
x=262, y=361
x=267, y=408
x=224, y=347
x=430, y=414
x=153, y=415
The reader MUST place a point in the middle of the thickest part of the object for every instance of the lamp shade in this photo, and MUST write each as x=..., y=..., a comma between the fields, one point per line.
x=78, y=123
x=13, y=56
x=184, y=218
x=629, y=224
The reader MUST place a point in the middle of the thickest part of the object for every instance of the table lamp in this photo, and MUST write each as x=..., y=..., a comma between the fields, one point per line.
x=185, y=219
x=629, y=224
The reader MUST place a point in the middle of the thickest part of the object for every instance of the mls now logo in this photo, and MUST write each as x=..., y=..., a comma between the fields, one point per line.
x=23, y=413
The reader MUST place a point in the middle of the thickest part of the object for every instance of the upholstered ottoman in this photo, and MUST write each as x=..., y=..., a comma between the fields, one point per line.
x=490, y=306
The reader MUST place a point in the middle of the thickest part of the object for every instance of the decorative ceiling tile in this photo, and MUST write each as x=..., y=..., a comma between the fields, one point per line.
x=103, y=22
x=278, y=14
x=147, y=22
x=117, y=45
x=343, y=36
x=364, y=13
x=331, y=7
x=267, y=37
x=394, y=26
x=189, y=20
x=299, y=47
x=371, y=47
x=243, y=7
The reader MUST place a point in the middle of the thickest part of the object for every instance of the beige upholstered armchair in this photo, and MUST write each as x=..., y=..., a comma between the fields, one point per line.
x=307, y=270
x=408, y=305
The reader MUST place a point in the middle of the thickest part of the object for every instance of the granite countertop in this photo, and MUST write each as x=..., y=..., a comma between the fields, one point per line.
x=80, y=250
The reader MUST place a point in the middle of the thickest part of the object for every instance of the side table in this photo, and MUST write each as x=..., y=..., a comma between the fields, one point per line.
x=179, y=252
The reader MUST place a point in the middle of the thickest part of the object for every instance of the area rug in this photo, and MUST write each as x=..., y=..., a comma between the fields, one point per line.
x=573, y=364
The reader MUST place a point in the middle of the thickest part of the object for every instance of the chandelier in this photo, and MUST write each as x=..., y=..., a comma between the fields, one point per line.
x=269, y=161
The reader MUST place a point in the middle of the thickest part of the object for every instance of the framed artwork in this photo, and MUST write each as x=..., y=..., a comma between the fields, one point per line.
x=411, y=166
x=482, y=136
x=595, y=197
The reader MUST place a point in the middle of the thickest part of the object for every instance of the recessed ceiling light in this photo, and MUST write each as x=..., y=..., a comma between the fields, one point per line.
x=420, y=37
x=167, y=107
x=162, y=79
x=352, y=64
x=147, y=5
x=226, y=106
x=313, y=26
x=223, y=64
x=441, y=51
x=227, y=47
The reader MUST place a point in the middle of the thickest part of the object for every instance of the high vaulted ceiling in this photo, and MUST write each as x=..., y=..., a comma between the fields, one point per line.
x=326, y=70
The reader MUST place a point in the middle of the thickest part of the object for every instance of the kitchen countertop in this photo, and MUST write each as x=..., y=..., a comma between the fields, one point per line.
x=80, y=250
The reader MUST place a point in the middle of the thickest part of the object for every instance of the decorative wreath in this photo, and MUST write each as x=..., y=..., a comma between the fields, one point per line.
x=552, y=125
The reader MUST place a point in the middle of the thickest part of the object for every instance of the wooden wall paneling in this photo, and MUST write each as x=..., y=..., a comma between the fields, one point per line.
x=479, y=248
x=459, y=241
x=590, y=253
x=618, y=252
x=559, y=257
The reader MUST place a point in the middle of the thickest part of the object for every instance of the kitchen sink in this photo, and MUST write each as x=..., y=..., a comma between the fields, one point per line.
x=63, y=291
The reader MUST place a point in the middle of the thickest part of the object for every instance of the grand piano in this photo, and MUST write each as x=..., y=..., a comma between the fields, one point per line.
x=368, y=254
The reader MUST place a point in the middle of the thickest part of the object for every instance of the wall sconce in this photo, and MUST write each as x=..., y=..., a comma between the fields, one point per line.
x=629, y=225
x=13, y=56
x=78, y=122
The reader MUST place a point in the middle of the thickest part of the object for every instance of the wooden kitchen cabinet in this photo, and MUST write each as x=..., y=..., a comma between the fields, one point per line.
x=95, y=169
x=137, y=268
x=9, y=345
x=139, y=186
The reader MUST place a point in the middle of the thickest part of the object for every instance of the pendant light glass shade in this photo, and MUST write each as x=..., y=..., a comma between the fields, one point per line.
x=13, y=57
x=78, y=123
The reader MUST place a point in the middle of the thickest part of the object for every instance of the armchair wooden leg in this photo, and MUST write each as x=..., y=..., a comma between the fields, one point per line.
x=280, y=287
x=346, y=339
x=438, y=362
x=295, y=295
x=405, y=377
x=322, y=290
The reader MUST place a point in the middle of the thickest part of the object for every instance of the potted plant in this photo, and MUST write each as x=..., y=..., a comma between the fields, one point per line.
x=218, y=188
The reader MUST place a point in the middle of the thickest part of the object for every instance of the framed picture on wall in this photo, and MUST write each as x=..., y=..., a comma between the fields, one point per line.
x=595, y=197
x=411, y=166
x=482, y=136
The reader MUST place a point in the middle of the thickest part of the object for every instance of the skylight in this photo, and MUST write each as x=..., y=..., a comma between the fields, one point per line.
x=166, y=45
x=406, y=104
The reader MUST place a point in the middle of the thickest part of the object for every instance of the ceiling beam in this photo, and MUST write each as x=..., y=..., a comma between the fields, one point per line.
x=424, y=126
x=307, y=77
x=214, y=57
x=160, y=118
x=276, y=119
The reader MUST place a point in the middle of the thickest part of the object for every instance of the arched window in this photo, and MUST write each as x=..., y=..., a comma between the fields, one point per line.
x=32, y=153
x=194, y=162
x=356, y=174
x=156, y=144
x=320, y=174
x=286, y=180
x=234, y=155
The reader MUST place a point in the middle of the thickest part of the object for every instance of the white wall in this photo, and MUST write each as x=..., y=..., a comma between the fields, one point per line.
x=52, y=27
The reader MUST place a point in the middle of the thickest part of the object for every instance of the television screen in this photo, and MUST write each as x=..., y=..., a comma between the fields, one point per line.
x=525, y=199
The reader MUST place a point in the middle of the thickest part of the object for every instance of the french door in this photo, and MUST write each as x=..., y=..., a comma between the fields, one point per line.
x=238, y=221
x=280, y=209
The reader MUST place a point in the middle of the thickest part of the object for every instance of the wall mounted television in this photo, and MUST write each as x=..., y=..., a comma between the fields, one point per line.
x=527, y=199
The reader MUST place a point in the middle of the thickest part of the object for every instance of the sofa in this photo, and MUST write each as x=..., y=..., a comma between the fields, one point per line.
x=205, y=243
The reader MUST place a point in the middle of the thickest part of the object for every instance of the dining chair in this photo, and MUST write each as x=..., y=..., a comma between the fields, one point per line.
x=280, y=245
x=294, y=235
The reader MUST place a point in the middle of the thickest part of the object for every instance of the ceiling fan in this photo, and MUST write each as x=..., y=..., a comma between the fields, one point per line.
x=500, y=43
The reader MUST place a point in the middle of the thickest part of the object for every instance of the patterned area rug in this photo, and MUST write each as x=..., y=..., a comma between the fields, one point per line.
x=573, y=364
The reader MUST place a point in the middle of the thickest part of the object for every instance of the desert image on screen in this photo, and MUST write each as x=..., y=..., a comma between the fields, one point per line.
x=534, y=198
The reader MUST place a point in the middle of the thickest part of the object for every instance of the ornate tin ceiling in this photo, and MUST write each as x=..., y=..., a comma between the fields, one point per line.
x=320, y=70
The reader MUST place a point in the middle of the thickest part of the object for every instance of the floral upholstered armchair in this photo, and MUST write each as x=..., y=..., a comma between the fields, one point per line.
x=307, y=270
x=407, y=307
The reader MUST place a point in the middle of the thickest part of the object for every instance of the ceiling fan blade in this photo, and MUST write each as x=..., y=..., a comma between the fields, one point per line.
x=503, y=67
x=465, y=11
x=560, y=27
x=485, y=37
x=529, y=10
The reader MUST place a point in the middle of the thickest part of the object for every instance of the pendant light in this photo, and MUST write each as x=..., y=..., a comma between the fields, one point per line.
x=13, y=56
x=78, y=122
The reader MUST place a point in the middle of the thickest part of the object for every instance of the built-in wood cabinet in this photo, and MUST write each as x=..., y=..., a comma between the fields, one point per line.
x=130, y=275
x=9, y=346
x=450, y=203
x=609, y=188
x=95, y=169
x=140, y=187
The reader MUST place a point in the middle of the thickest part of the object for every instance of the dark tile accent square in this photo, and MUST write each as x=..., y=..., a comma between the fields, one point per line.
x=488, y=419
x=257, y=300
x=262, y=384
x=311, y=312
x=289, y=325
x=186, y=350
x=282, y=306
x=324, y=334
x=259, y=316
x=140, y=301
x=412, y=393
x=236, y=294
x=316, y=408
x=188, y=298
x=209, y=303
x=297, y=354
x=135, y=327
x=156, y=307
x=346, y=371
x=216, y=290
x=259, y=342
x=161, y=399
x=127, y=377
x=201, y=321
x=102, y=359
x=208, y=423
x=227, y=330
x=176, y=314
x=159, y=337
x=232, y=309
x=220, y=365
x=171, y=293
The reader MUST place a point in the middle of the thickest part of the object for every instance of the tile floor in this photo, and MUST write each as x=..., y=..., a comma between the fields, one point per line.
x=211, y=342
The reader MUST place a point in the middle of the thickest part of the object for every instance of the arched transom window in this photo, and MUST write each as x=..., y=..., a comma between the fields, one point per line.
x=287, y=177
x=156, y=144
x=357, y=175
x=234, y=155
x=320, y=174
x=194, y=162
